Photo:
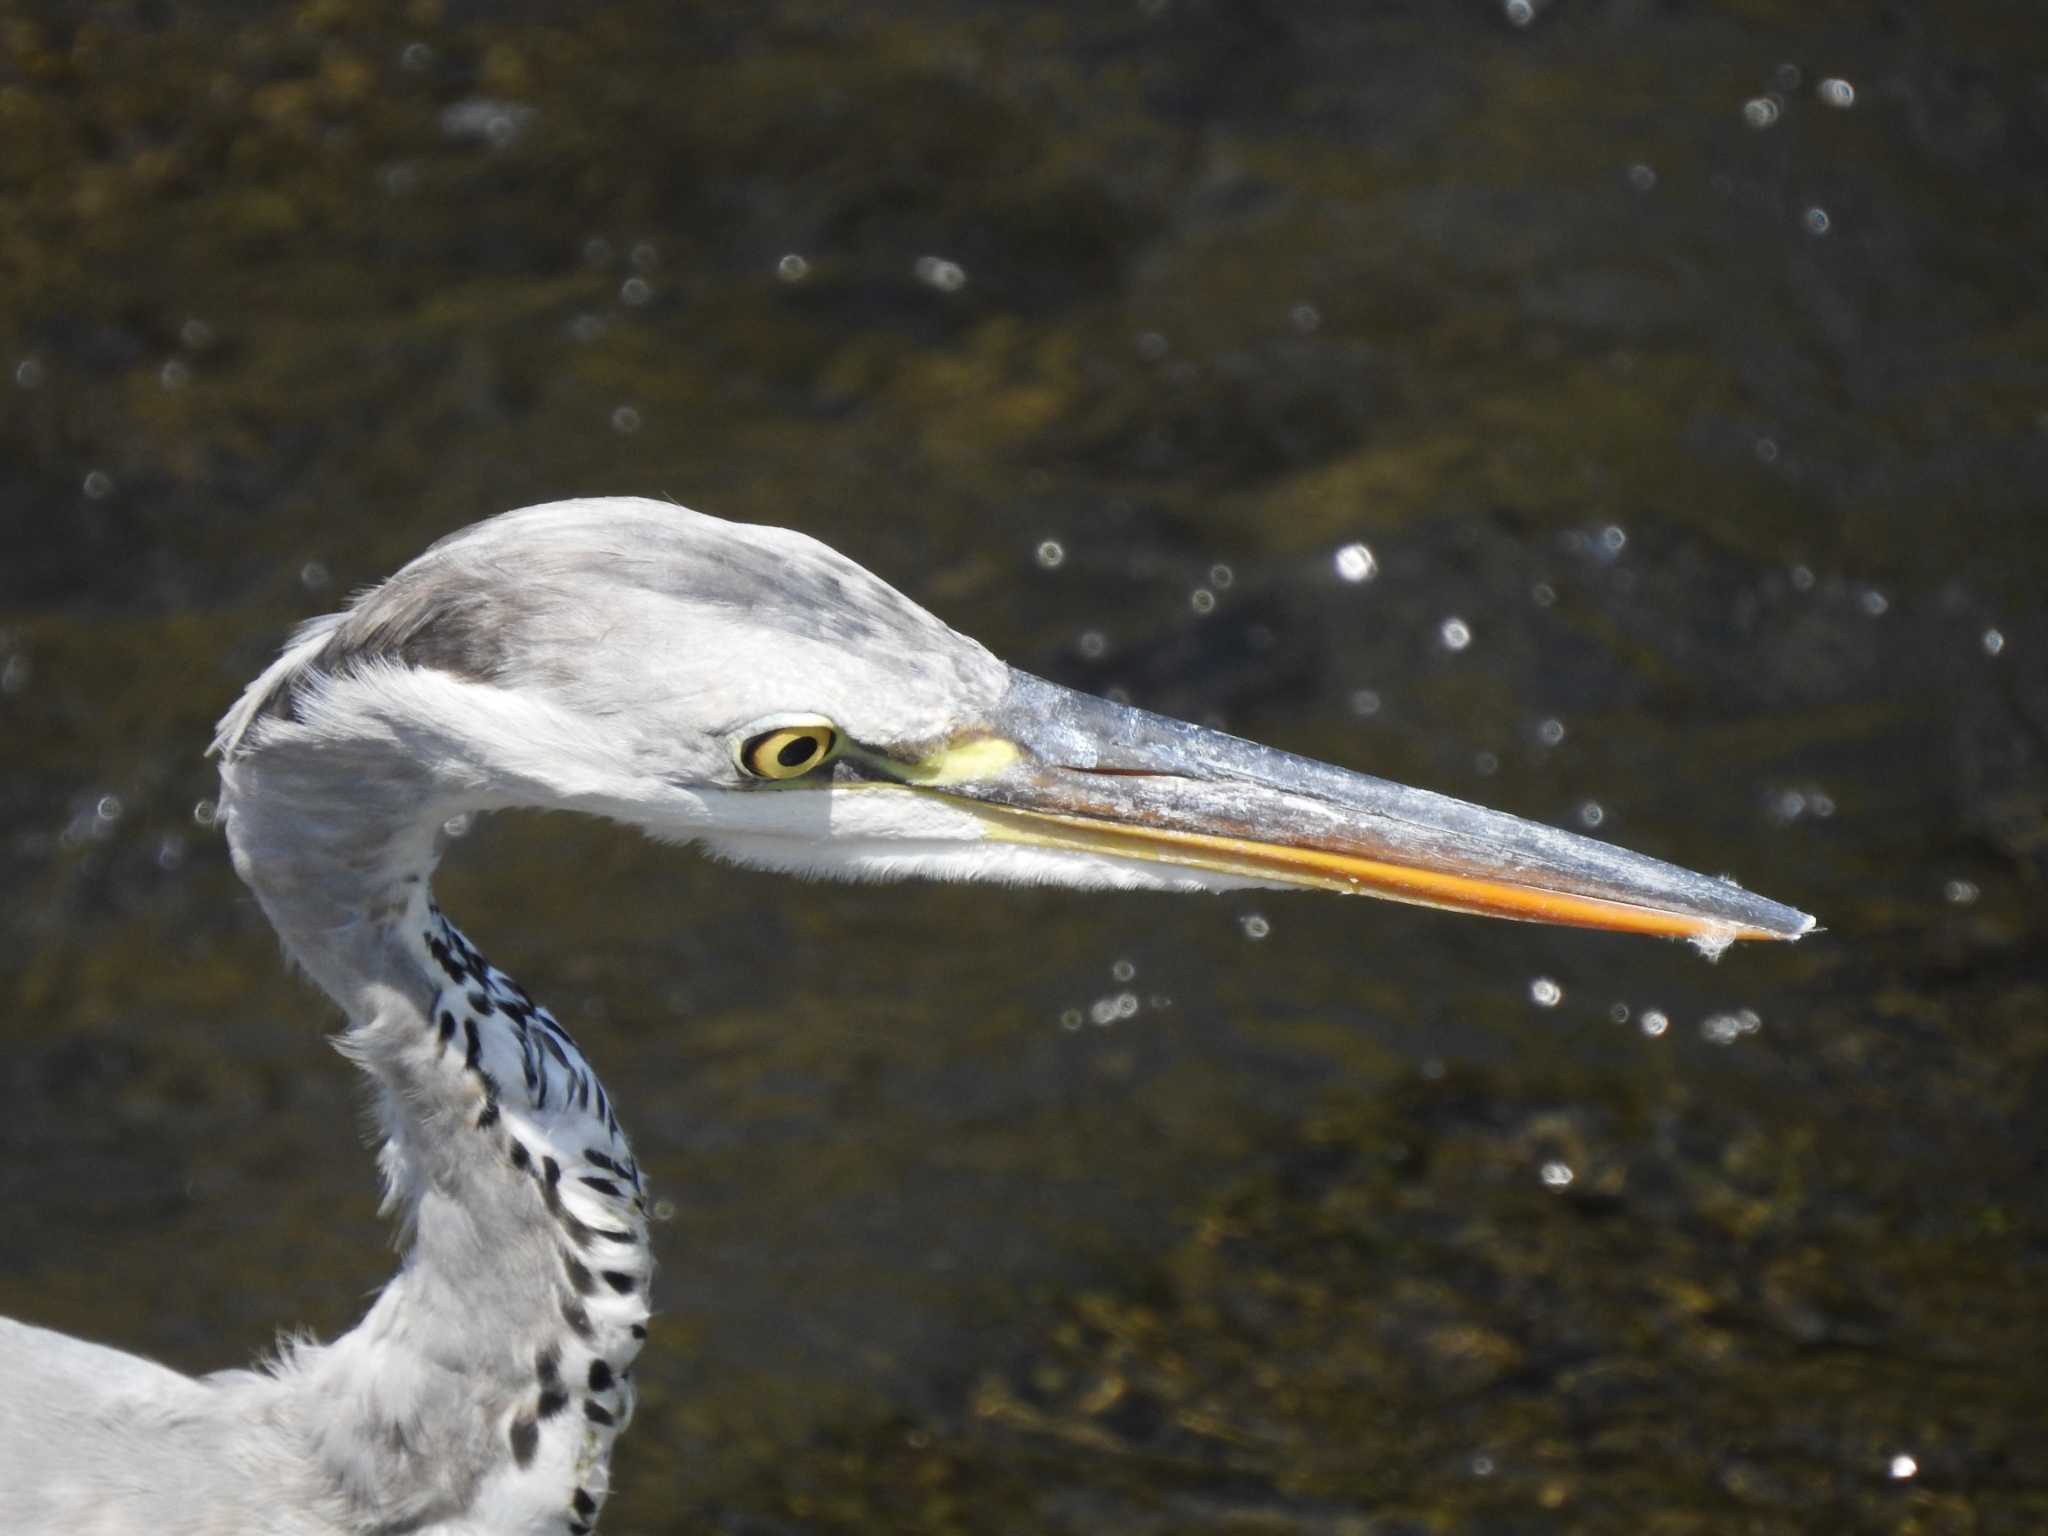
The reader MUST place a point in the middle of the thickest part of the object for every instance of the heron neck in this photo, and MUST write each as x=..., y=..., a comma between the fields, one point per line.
x=491, y=1377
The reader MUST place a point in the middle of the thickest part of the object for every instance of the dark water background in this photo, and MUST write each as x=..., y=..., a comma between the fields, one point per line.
x=1712, y=404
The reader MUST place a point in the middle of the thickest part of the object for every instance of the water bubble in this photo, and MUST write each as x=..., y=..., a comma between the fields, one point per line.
x=635, y=291
x=195, y=334
x=1487, y=763
x=1545, y=993
x=1127, y=1005
x=1152, y=346
x=1455, y=633
x=1787, y=77
x=1432, y=1069
x=108, y=808
x=792, y=268
x=1653, y=1022
x=937, y=272
x=664, y=1210
x=1902, y=1467
x=415, y=57
x=170, y=852
x=1543, y=594
x=1816, y=220
x=14, y=674
x=1482, y=1465
x=1873, y=602
x=205, y=813
x=313, y=576
x=28, y=373
x=1641, y=178
x=1102, y=1012
x=1761, y=111
x=98, y=486
x=625, y=420
x=1993, y=642
x=1221, y=576
x=1592, y=813
x=1802, y=578
x=1070, y=1019
x=645, y=257
x=1614, y=538
x=459, y=824
x=1355, y=563
x=1092, y=644
x=1557, y=1175
x=1550, y=732
x=1836, y=92
x=1123, y=970
x=1254, y=925
x=1365, y=702
x=597, y=251
x=1960, y=893
x=1305, y=318
x=587, y=328
x=1767, y=450
x=1519, y=13
x=173, y=375
x=1618, y=1013
x=1202, y=600
x=1051, y=554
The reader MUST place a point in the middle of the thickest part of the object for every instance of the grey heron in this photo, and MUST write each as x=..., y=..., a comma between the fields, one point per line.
x=745, y=688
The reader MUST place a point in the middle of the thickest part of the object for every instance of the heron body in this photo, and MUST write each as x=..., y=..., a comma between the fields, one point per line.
x=744, y=688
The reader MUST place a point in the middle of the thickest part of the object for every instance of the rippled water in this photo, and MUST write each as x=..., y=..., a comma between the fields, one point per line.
x=1630, y=416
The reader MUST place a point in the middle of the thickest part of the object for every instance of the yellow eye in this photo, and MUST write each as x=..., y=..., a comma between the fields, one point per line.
x=789, y=752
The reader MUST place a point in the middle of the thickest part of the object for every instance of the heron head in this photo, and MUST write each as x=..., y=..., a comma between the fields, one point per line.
x=752, y=690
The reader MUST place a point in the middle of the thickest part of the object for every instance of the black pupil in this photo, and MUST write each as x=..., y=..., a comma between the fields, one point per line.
x=797, y=751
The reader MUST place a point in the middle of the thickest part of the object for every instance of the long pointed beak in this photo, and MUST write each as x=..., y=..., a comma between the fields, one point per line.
x=1067, y=770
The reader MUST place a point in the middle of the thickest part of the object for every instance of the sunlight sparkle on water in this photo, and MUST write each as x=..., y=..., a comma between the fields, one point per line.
x=1557, y=1175
x=1727, y=1028
x=1902, y=1467
x=1355, y=563
x=937, y=272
